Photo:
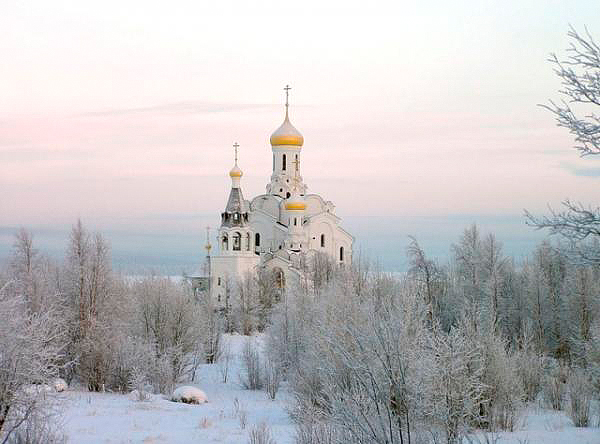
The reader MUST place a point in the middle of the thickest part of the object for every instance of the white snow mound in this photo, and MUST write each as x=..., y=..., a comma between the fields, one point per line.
x=59, y=385
x=189, y=395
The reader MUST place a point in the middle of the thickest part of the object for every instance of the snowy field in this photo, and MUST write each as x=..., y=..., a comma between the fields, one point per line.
x=113, y=418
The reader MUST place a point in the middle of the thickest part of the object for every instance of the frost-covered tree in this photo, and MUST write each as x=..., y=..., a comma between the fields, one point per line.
x=31, y=351
x=493, y=264
x=93, y=305
x=454, y=391
x=577, y=111
x=430, y=278
x=468, y=269
x=170, y=320
x=247, y=303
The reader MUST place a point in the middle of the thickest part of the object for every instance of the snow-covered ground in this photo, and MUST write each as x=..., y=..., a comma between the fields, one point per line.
x=542, y=426
x=112, y=418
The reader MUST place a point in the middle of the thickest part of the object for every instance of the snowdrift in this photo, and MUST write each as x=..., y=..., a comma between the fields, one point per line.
x=189, y=395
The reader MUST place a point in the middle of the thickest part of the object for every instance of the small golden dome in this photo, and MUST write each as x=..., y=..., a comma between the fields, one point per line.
x=295, y=206
x=286, y=134
x=295, y=202
x=235, y=172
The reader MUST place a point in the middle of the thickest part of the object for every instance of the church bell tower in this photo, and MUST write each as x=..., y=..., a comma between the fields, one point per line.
x=286, y=144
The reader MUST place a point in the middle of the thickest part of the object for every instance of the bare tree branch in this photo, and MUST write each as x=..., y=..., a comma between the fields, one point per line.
x=580, y=77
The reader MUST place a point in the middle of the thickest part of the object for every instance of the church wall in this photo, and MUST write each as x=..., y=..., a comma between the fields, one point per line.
x=316, y=230
x=270, y=236
x=225, y=270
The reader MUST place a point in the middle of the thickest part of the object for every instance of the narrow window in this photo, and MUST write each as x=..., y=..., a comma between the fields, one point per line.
x=219, y=298
x=295, y=222
x=283, y=163
x=247, y=241
x=273, y=162
x=322, y=240
x=225, y=243
x=219, y=281
x=257, y=240
x=237, y=242
x=279, y=278
x=341, y=254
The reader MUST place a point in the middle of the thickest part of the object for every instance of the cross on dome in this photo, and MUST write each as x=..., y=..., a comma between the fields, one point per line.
x=286, y=134
x=236, y=172
x=235, y=147
x=287, y=95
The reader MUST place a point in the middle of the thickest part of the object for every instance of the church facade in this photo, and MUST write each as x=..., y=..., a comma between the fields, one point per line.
x=281, y=230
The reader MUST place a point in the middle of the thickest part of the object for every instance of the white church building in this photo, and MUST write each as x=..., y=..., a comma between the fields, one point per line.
x=280, y=230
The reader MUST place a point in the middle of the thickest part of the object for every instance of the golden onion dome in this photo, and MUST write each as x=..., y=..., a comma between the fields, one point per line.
x=236, y=171
x=287, y=134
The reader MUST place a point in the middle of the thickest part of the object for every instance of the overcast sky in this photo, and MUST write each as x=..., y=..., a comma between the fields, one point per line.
x=421, y=114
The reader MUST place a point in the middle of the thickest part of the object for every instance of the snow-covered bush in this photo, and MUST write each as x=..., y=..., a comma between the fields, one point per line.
x=260, y=434
x=251, y=376
x=503, y=392
x=224, y=360
x=531, y=372
x=453, y=390
x=553, y=388
x=272, y=377
x=312, y=432
x=130, y=360
x=359, y=365
x=580, y=390
x=161, y=374
x=30, y=353
x=168, y=317
x=189, y=395
x=38, y=428
x=240, y=412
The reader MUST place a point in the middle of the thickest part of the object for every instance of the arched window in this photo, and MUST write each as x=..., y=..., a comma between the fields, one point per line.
x=283, y=162
x=225, y=243
x=257, y=240
x=287, y=194
x=322, y=240
x=295, y=221
x=247, y=241
x=341, y=254
x=237, y=241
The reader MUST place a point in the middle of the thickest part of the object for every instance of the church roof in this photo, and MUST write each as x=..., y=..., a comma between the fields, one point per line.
x=236, y=204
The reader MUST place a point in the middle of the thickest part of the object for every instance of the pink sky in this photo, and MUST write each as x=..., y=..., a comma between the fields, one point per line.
x=124, y=113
